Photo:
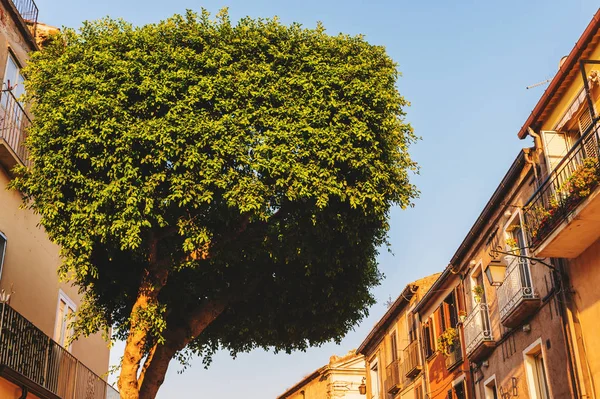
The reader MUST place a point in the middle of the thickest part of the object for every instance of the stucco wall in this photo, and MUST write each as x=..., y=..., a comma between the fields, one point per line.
x=584, y=274
x=30, y=266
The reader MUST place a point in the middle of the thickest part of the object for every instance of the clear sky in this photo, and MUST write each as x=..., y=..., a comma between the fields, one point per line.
x=465, y=66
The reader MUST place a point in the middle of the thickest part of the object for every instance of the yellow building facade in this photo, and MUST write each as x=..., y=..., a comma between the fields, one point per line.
x=392, y=350
x=36, y=360
x=341, y=378
x=563, y=214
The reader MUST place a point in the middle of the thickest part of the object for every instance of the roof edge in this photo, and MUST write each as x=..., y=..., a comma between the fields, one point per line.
x=475, y=230
x=562, y=73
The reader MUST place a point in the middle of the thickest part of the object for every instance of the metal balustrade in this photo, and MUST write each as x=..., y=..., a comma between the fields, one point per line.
x=28, y=10
x=557, y=196
x=477, y=328
x=13, y=125
x=28, y=351
x=392, y=376
x=516, y=286
x=454, y=355
x=412, y=363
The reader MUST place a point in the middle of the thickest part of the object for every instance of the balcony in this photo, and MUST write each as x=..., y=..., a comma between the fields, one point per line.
x=454, y=356
x=478, y=333
x=392, y=382
x=563, y=214
x=411, y=366
x=13, y=131
x=26, y=350
x=516, y=297
x=28, y=11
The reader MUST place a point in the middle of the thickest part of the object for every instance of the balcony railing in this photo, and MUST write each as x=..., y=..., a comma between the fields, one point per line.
x=13, y=125
x=573, y=179
x=477, y=328
x=412, y=364
x=28, y=351
x=454, y=355
x=392, y=377
x=28, y=10
x=516, y=290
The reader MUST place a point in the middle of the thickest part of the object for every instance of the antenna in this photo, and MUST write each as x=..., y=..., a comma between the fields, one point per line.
x=538, y=84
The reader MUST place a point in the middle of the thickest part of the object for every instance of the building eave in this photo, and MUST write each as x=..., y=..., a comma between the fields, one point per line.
x=492, y=205
x=563, y=76
x=378, y=330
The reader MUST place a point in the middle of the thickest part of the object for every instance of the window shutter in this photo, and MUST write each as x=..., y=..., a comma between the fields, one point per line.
x=590, y=144
x=555, y=148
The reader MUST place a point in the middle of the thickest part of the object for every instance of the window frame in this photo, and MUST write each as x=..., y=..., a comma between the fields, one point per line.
x=530, y=359
x=4, y=246
x=490, y=388
x=69, y=303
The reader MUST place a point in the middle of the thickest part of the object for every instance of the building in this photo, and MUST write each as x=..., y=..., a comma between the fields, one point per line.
x=563, y=214
x=340, y=378
x=509, y=305
x=35, y=359
x=447, y=373
x=394, y=362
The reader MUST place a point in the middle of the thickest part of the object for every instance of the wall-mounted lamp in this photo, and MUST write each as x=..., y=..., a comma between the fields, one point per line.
x=495, y=272
x=362, y=388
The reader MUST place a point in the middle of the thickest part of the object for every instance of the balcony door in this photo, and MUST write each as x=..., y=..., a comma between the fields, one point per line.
x=518, y=237
x=64, y=313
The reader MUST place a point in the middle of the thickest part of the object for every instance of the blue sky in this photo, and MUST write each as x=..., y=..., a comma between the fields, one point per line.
x=465, y=66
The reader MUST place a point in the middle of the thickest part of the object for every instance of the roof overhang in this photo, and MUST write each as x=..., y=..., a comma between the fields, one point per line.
x=567, y=73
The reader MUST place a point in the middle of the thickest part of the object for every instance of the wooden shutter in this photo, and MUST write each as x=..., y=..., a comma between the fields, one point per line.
x=590, y=144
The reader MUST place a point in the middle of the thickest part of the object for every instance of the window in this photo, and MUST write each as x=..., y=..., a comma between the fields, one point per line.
x=428, y=338
x=517, y=244
x=459, y=390
x=419, y=392
x=535, y=370
x=374, y=374
x=412, y=328
x=450, y=312
x=12, y=77
x=540, y=375
x=490, y=390
x=393, y=347
x=477, y=281
x=2, y=251
x=64, y=312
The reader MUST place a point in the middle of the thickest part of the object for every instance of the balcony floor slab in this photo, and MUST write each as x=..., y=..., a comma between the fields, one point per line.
x=576, y=233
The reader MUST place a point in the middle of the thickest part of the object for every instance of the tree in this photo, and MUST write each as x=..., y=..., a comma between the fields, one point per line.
x=215, y=185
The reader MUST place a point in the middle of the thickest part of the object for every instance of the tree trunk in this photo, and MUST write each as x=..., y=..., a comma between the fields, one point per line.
x=153, y=281
x=154, y=375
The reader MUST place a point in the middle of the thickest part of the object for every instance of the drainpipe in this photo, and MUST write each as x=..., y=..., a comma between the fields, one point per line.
x=24, y=392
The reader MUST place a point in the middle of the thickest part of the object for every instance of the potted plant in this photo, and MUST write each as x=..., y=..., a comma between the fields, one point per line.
x=512, y=244
x=462, y=316
x=478, y=293
x=446, y=341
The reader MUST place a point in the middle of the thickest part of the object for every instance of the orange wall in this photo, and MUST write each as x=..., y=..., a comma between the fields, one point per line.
x=8, y=390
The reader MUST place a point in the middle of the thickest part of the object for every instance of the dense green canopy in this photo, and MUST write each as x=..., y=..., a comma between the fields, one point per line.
x=261, y=159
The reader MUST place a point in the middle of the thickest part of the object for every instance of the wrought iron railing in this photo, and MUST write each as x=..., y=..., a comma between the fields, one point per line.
x=477, y=328
x=516, y=286
x=13, y=124
x=454, y=354
x=28, y=351
x=411, y=358
x=28, y=10
x=571, y=181
x=392, y=376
